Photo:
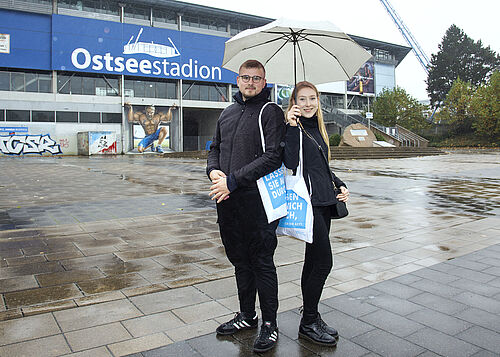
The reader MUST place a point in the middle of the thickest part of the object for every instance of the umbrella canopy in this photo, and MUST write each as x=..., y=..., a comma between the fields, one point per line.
x=292, y=50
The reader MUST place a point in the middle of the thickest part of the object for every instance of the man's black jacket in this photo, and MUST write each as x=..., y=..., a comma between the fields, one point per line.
x=236, y=149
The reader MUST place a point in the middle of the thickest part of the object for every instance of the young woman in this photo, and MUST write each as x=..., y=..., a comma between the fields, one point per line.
x=304, y=114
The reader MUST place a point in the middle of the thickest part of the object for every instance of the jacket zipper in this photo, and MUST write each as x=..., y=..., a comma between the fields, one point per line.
x=234, y=134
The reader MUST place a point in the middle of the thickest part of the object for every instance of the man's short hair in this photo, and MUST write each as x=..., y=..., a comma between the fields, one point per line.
x=150, y=106
x=252, y=64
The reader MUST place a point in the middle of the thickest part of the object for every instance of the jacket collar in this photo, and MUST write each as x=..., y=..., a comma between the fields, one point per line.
x=261, y=97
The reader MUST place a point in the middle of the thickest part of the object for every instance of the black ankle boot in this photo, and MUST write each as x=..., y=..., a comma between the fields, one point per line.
x=329, y=330
x=315, y=333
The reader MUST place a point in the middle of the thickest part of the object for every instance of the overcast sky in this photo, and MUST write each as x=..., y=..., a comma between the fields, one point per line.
x=427, y=20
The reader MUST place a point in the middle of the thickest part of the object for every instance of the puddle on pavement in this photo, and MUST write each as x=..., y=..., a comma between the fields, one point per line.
x=343, y=240
x=443, y=248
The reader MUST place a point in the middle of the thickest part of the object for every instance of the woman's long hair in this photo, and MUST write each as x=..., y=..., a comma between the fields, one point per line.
x=319, y=113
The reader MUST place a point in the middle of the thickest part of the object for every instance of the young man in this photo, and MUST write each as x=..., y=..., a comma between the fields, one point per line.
x=235, y=162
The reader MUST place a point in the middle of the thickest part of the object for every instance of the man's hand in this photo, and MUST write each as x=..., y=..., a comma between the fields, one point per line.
x=173, y=106
x=219, y=190
x=216, y=174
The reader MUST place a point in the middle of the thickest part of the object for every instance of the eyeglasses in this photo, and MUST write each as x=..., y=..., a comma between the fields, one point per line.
x=246, y=78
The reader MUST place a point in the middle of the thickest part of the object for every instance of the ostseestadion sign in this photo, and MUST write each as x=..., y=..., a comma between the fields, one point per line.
x=88, y=45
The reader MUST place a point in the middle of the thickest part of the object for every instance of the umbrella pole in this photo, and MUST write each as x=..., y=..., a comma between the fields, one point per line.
x=294, y=65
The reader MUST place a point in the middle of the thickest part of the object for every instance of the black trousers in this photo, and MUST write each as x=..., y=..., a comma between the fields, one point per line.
x=318, y=263
x=250, y=243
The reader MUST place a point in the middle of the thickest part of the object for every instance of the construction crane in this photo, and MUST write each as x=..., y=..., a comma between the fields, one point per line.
x=417, y=50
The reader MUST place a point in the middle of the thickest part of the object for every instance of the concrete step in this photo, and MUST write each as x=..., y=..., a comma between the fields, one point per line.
x=343, y=153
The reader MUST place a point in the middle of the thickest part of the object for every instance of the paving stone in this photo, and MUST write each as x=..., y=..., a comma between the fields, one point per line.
x=27, y=328
x=112, y=283
x=219, y=289
x=396, y=289
x=18, y=283
x=436, y=288
x=94, y=315
x=347, y=326
x=48, y=307
x=354, y=306
x=168, y=300
x=201, y=312
x=484, y=353
x=192, y=330
x=476, y=287
x=387, y=345
x=396, y=305
x=442, y=344
x=438, y=303
x=94, y=352
x=344, y=348
x=436, y=276
x=41, y=295
x=479, y=301
x=96, y=336
x=150, y=324
x=51, y=346
x=482, y=337
x=30, y=269
x=99, y=298
x=392, y=323
x=71, y=276
x=481, y=318
x=175, y=349
x=214, y=345
x=139, y=344
x=438, y=321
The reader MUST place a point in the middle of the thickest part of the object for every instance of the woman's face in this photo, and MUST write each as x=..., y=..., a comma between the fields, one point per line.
x=307, y=100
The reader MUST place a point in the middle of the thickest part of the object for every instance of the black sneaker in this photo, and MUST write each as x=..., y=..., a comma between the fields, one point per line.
x=329, y=330
x=315, y=333
x=267, y=337
x=238, y=323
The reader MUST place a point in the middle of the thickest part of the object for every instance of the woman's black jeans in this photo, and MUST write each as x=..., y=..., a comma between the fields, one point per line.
x=318, y=263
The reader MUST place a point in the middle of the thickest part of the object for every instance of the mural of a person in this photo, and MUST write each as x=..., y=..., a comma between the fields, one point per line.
x=150, y=122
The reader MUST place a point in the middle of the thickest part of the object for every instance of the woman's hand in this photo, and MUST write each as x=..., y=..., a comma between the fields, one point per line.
x=293, y=114
x=344, y=194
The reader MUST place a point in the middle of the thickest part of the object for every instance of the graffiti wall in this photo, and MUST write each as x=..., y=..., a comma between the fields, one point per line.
x=48, y=139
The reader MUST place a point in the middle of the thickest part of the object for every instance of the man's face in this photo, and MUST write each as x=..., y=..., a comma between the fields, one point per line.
x=150, y=111
x=252, y=87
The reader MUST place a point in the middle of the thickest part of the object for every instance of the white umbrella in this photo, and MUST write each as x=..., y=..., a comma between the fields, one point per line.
x=318, y=52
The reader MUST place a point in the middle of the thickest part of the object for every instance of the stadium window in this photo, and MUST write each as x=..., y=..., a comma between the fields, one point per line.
x=18, y=115
x=42, y=116
x=90, y=117
x=111, y=117
x=67, y=117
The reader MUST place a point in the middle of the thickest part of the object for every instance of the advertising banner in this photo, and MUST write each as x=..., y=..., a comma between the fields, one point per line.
x=362, y=81
x=96, y=46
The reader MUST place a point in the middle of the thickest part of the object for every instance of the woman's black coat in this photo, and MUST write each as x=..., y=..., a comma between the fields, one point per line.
x=316, y=172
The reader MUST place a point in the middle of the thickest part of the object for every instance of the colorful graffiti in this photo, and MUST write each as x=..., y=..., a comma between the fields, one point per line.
x=102, y=143
x=28, y=144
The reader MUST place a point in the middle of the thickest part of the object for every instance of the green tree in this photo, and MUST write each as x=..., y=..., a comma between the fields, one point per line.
x=485, y=108
x=456, y=108
x=459, y=56
x=395, y=106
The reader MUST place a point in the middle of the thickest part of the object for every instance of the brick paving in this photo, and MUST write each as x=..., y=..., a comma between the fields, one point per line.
x=112, y=256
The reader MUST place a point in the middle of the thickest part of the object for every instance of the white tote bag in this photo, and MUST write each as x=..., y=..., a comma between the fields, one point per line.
x=272, y=186
x=299, y=220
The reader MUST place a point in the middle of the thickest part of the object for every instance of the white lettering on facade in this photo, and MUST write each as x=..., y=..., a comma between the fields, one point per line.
x=82, y=59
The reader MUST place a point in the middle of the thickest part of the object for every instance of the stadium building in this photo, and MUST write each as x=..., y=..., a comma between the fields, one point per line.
x=69, y=66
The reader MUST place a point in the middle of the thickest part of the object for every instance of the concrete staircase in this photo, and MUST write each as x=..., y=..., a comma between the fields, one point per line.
x=344, y=153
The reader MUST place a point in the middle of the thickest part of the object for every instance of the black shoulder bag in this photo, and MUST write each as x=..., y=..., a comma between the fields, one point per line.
x=339, y=209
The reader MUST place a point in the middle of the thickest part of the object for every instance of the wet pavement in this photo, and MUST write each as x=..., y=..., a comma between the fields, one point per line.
x=129, y=245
